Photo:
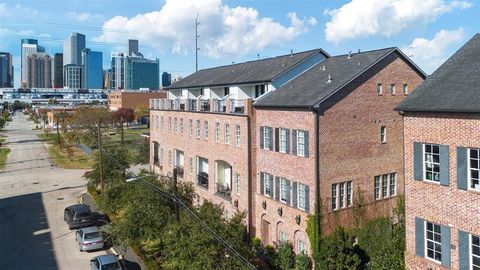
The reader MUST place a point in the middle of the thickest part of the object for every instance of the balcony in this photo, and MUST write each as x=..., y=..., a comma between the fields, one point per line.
x=226, y=106
x=223, y=191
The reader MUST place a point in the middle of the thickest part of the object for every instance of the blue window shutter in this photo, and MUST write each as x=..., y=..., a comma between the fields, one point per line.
x=463, y=250
x=306, y=144
x=419, y=237
x=261, y=137
x=294, y=142
x=294, y=194
x=462, y=168
x=307, y=199
x=270, y=183
x=418, y=161
x=277, y=188
x=288, y=141
x=288, y=192
x=445, y=230
x=261, y=182
x=270, y=130
x=444, y=166
x=277, y=141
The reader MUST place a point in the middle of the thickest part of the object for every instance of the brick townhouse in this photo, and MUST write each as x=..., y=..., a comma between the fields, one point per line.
x=309, y=127
x=442, y=159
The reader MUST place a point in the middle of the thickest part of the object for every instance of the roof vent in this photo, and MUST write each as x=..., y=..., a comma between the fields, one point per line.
x=323, y=67
x=283, y=64
x=358, y=63
x=349, y=54
x=329, y=79
x=291, y=52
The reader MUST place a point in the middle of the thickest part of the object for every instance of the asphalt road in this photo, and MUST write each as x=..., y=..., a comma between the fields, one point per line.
x=33, y=195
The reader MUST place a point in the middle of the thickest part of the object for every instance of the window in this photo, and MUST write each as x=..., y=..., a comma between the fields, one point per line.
x=161, y=122
x=170, y=124
x=379, y=89
x=175, y=125
x=181, y=126
x=393, y=184
x=227, y=134
x=237, y=135
x=190, y=165
x=226, y=91
x=392, y=89
x=259, y=90
x=267, y=137
x=376, y=187
x=475, y=248
x=334, y=197
x=349, y=193
x=383, y=134
x=474, y=168
x=432, y=162
x=434, y=241
x=302, y=196
x=190, y=127
x=385, y=185
x=283, y=140
x=300, y=246
x=237, y=182
x=283, y=190
x=156, y=122
x=170, y=158
x=205, y=129
x=301, y=143
x=342, y=195
x=267, y=184
x=282, y=236
x=405, y=89
x=197, y=128
x=217, y=131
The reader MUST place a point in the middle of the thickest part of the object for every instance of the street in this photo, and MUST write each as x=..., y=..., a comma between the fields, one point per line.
x=33, y=195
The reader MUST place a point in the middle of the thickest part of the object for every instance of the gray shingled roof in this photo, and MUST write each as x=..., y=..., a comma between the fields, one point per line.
x=259, y=71
x=453, y=87
x=311, y=87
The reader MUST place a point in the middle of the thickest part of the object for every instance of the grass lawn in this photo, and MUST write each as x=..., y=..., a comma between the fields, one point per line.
x=3, y=156
x=79, y=160
x=132, y=138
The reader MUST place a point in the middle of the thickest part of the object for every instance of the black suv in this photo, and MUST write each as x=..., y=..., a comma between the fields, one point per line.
x=78, y=216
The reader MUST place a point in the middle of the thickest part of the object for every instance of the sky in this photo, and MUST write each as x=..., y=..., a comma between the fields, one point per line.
x=429, y=31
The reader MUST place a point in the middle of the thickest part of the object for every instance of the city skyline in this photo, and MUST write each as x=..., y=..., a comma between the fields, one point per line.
x=430, y=35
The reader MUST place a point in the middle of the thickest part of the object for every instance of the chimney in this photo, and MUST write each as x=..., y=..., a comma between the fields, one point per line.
x=291, y=52
x=358, y=50
x=349, y=54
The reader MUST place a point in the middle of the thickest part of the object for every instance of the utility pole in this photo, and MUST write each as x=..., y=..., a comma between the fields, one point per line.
x=175, y=193
x=100, y=156
x=196, y=43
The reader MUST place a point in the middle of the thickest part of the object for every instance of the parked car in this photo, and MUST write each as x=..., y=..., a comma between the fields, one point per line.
x=105, y=262
x=78, y=216
x=89, y=238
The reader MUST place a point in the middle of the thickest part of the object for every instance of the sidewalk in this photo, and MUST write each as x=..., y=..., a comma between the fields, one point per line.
x=130, y=259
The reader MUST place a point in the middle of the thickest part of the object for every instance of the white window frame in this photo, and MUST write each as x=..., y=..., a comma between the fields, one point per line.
x=237, y=135
x=431, y=162
x=238, y=184
x=334, y=196
x=282, y=236
x=301, y=246
x=471, y=170
x=190, y=133
x=301, y=196
x=349, y=193
x=283, y=140
x=266, y=138
x=392, y=184
x=169, y=124
x=266, y=185
x=190, y=165
x=405, y=89
x=376, y=187
x=379, y=89
x=227, y=133
x=217, y=132
x=383, y=134
x=385, y=186
x=470, y=251
x=433, y=241
x=205, y=129
x=301, y=143
x=283, y=190
x=392, y=89
x=342, y=195
x=197, y=129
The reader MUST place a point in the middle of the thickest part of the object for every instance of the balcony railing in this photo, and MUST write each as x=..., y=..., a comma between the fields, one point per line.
x=227, y=105
x=192, y=104
x=204, y=105
x=202, y=179
x=223, y=190
x=237, y=106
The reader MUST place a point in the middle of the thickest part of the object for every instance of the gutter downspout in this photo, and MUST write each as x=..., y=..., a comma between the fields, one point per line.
x=317, y=174
x=250, y=180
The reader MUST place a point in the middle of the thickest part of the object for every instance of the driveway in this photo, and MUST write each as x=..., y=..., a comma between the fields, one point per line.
x=33, y=195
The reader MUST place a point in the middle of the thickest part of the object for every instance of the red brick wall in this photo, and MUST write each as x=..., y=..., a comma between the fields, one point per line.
x=350, y=146
x=448, y=206
x=236, y=156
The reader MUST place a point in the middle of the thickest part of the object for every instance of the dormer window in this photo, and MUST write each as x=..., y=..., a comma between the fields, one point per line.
x=226, y=91
x=259, y=90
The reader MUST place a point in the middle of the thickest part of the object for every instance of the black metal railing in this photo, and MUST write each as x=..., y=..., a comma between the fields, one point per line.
x=202, y=179
x=223, y=190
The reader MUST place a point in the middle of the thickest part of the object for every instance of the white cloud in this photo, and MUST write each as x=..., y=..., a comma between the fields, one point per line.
x=222, y=29
x=430, y=54
x=363, y=18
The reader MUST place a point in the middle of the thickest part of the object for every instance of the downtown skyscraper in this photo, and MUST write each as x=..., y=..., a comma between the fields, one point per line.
x=92, y=69
x=6, y=70
x=29, y=46
x=72, y=49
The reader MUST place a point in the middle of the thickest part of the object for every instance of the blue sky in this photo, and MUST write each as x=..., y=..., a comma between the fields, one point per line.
x=237, y=30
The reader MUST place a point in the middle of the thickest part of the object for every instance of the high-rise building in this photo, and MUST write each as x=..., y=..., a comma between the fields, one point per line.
x=118, y=71
x=166, y=79
x=132, y=46
x=92, y=68
x=72, y=49
x=39, y=70
x=58, y=70
x=29, y=46
x=73, y=76
x=107, y=78
x=141, y=73
x=6, y=70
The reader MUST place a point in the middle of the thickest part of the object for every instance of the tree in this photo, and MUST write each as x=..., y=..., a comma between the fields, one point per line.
x=121, y=116
x=86, y=120
x=113, y=164
x=2, y=122
x=143, y=153
x=140, y=111
x=337, y=252
x=302, y=262
x=286, y=257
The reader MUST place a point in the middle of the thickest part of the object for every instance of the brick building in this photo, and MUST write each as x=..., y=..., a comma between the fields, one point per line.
x=319, y=128
x=133, y=99
x=442, y=155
